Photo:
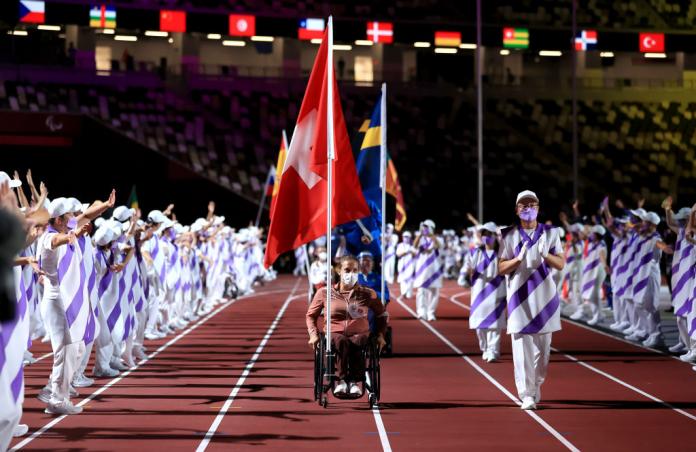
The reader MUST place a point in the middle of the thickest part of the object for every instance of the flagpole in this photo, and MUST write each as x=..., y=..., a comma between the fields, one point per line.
x=263, y=195
x=309, y=270
x=330, y=155
x=383, y=177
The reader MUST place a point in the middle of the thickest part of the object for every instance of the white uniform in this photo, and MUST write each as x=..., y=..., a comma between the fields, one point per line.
x=682, y=284
x=406, y=266
x=625, y=278
x=488, y=302
x=428, y=278
x=619, y=248
x=390, y=258
x=593, y=275
x=646, y=286
x=571, y=275
x=533, y=306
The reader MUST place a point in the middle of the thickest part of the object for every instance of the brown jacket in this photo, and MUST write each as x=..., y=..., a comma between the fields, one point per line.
x=348, y=311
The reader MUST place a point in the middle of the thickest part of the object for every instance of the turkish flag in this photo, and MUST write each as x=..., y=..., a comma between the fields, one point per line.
x=173, y=21
x=242, y=25
x=652, y=42
x=299, y=213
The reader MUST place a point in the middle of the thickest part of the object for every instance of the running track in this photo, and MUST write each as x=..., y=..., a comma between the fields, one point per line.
x=242, y=378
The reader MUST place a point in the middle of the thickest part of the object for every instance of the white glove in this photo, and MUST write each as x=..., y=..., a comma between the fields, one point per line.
x=543, y=246
x=523, y=250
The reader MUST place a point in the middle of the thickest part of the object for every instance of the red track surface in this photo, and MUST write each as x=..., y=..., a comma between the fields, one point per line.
x=432, y=398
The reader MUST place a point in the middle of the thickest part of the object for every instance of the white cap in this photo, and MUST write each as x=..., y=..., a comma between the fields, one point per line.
x=103, y=236
x=85, y=206
x=429, y=223
x=653, y=218
x=75, y=205
x=683, y=213
x=640, y=213
x=156, y=216
x=196, y=227
x=4, y=177
x=407, y=234
x=125, y=226
x=58, y=207
x=599, y=229
x=219, y=220
x=178, y=228
x=167, y=223
x=98, y=222
x=123, y=213
x=526, y=194
x=490, y=227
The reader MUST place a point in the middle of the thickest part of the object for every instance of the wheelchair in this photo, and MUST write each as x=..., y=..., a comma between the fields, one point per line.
x=325, y=373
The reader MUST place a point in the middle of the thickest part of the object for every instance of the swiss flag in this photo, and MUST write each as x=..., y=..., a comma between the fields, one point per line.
x=299, y=213
x=242, y=25
x=652, y=42
x=173, y=21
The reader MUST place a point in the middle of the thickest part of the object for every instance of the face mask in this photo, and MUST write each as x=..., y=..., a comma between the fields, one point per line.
x=529, y=213
x=349, y=279
x=488, y=240
x=72, y=223
x=322, y=256
x=426, y=230
x=407, y=239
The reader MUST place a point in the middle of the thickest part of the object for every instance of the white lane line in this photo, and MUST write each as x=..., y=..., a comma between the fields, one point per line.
x=603, y=373
x=500, y=387
x=99, y=391
x=386, y=446
x=240, y=382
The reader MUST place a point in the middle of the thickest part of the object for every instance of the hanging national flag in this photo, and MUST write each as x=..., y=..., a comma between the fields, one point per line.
x=586, y=40
x=278, y=171
x=448, y=38
x=173, y=21
x=515, y=38
x=652, y=42
x=299, y=215
x=242, y=25
x=368, y=164
x=133, y=199
x=380, y=32
x=32, y=12
x=311, y=29
x=270, y=181
x=103, y=16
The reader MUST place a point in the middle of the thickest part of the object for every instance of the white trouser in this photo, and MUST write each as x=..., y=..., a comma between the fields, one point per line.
x=85, y=359
x=153, y=303
x=489, y=340
x=389, y=270
x=630, y=310
x=406, y=288
x=66, y=359
x=530, y=354
x=649, y=320
x=140, y=323
x=619, y=310
x=9, y=418
x=683, y=327
x=102, y=344
x=427, y=301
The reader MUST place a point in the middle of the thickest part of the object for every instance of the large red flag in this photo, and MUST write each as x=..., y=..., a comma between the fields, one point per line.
x=299, y=213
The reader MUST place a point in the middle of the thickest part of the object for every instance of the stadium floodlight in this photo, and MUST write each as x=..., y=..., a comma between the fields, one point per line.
x=233, y=43
x=263, y=38
x=421, y=44
x=315, y=41
x=107, y=31
x=342, y=47
x=214, y=36
x=364, y=42
x=49, y=27
x=504, y=52
x=445, y=50
x=606, y=54
x=655, y=55
x=125, y=38
x=467, y=46
x=18, y=33
x=156, y=34
x=550, y=53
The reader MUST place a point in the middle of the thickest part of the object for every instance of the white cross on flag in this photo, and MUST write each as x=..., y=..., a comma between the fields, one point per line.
x=586, y=39
x=380, y=32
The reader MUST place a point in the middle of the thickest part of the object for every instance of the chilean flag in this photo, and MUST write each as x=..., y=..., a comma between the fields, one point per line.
x=32, y=12
x=299, y=213
x=311, y=29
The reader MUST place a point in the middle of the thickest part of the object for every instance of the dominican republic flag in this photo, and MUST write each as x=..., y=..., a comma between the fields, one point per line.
x=32, y=12
x=380, y=32
x=299, y=213
x=311, y=29
x=586, y=40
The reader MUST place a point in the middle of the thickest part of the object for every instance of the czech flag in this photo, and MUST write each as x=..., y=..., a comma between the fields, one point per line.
x=32, y=12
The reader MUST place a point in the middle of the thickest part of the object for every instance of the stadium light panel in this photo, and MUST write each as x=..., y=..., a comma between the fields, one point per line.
x=214, y=36
x=364, y=42
x=107, y=31
x=315, y=41
x=421, y=44
x=467, y=46
x=550, y=53
x=263, y=38
x=445, y=50
x=606, y=54
x=342, y=47
x=655, y=55
x=505, y=52
x=125, y=38
x=49, y=27
x=18, y=33
x=232, y=43
x=156, y=34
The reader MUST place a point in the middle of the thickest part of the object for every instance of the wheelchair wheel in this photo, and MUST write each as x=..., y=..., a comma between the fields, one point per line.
x=318, y=371
x=374, y=372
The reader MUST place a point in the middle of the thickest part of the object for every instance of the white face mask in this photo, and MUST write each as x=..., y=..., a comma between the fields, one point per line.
x=349, y=279
x=322, y=256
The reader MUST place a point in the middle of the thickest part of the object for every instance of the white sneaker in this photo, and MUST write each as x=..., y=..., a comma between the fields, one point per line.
x=628, y=330
x=528, y=403
x=484, y=356
x=151, y=336
x=634, y=337
x=693, y=368
x=73, y=392
x=20, y=430
x=44, y=395
x=355, y=389
x=64, y=407
x=81, y=381
x=654, y=340
x=28, y=358
x=577, y=315
x=676, y=348
x=340, y=388
x=594, y=320
x=118, y=365
x=431, y=318
x=139, y=353
x=689, y=357
x=493, y=357
x=105, y=373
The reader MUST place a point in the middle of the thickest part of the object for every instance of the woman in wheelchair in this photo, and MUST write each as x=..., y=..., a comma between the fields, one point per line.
x=350, y=330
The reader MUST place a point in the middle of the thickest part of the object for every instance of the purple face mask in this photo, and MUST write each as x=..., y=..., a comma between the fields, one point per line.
x=72, y=223
x=529, y=213
x=488, y=240
x=426, y=230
